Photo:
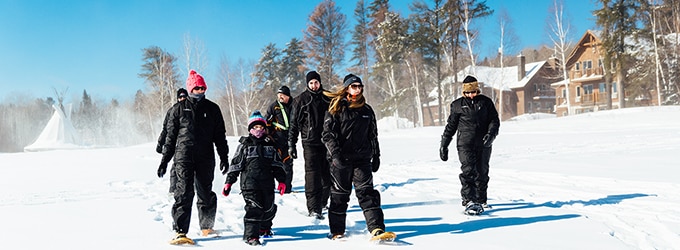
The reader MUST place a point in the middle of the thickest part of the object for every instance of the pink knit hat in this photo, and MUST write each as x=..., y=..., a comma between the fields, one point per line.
x=195, y=80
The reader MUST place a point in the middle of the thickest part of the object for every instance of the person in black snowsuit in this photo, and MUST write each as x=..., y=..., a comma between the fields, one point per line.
x=258, y=162
x=181, y=96
x=193, y=126
x=278, y=119
x=350, y=134
x=306, y=119
x=475, y=118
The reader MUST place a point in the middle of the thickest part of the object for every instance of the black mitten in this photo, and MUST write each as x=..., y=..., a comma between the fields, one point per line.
x=375, y=163
x=488, y=140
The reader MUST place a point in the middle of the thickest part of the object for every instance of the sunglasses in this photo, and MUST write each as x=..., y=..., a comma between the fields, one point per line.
x=199, y=88
x=355, y=86
x=470, y=92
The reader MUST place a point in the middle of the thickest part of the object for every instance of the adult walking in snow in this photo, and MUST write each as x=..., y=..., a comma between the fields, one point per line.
x=350, y=134
x=475, y=118
x=193, y=127
x=181, y=96
x=278, y=116
x=258, y=162
x=306, y=120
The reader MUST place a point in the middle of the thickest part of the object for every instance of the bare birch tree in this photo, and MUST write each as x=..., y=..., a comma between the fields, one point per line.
x=194, y=54
x=559, y=36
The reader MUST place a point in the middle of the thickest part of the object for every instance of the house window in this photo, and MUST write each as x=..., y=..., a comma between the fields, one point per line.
x=587, y=66
x=614, y=85
x=600, y=63
x=603, y=88
x=577, y=67
x=578, y=91
x=588, y=89
x=564, y=93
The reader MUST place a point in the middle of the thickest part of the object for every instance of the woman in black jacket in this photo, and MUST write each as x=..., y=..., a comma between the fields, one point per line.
x=350, y=134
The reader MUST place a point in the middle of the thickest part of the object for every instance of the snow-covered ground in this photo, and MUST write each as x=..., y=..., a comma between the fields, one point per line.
x=606, y=180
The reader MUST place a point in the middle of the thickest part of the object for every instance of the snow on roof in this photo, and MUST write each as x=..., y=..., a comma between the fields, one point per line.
x=502, y=78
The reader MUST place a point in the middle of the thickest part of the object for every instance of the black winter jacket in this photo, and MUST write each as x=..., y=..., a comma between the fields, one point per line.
x=279, y=113
x=306, y=118
x=351, y=134
x=472, y=118
x=192, y=129
x=258, y=162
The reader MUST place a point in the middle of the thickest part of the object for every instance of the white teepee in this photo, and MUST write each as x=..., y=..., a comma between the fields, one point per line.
x=59, y=133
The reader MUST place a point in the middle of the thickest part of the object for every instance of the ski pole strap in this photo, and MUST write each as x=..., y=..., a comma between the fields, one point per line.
x=278, y=125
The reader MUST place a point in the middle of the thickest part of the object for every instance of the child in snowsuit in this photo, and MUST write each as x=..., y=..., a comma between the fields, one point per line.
x=258, y=162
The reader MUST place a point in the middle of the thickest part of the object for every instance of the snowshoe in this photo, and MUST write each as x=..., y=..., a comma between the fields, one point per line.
x=336, y=236
x=380, y=235
x=181, y=239
x=266, y=233
x=316, y=215
x=473, y=208
x=208, y=232
x=253, y=241
x=486, y=206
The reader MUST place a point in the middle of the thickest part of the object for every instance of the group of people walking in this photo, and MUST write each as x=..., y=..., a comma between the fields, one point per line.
x=339, y=138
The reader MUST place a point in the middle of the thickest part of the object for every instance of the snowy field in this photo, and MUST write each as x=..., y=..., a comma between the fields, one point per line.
x=606, y=180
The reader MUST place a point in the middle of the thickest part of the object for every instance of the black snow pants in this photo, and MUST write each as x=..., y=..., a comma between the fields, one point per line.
x=200, y=176
x=260, y=211
x=359, y=174
x=474, y=176
x=317, y=177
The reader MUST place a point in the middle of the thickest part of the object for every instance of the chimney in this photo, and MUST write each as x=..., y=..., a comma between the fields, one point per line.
x=521, y=67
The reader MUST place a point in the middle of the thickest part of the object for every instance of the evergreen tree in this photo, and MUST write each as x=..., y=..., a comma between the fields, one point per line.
x=324, y=41
x=292, y=65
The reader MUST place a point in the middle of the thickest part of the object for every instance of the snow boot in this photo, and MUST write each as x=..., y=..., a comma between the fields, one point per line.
x=338, y=236
x=207, y=232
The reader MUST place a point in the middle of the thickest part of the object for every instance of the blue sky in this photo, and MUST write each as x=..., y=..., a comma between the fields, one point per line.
x=97, y=45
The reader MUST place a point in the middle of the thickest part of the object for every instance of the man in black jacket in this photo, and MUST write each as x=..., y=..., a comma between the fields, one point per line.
x=475, y=118
x=278, y=118
x=193, y=126
x=306, y=119
x=181, y=96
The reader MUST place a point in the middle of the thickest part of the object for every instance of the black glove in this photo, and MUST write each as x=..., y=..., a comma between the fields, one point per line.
x=488, y=140
x=375, y=163
x=444, y=148
x=444, y=153
x=292, y=150
x=162, y=169
x=224, y=167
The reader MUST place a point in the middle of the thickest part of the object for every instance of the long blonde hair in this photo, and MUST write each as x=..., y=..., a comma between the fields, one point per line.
x=341, y=93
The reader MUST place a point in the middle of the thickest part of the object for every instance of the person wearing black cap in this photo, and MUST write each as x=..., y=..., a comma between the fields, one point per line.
x=475, y=118
x=306, y=120
x=181, y=96
x=350, y=133
x=278, y=118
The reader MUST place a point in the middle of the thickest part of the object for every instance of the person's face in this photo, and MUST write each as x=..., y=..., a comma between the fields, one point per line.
x=258, y=127
x=181, y=98
x=470, y=94
x=198, y=90
x=355, y=88
x=314, y=84
x=282, y=98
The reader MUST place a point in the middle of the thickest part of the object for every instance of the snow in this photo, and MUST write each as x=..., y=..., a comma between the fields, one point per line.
x=605, y=180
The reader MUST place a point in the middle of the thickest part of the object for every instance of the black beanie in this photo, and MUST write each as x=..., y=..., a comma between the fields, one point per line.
x=349, y=79
x=469, y=79
x=312, y=75
x=181, y=92
x=284, y=90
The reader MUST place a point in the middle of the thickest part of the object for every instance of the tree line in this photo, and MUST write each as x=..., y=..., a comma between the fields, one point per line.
x=407, y=62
